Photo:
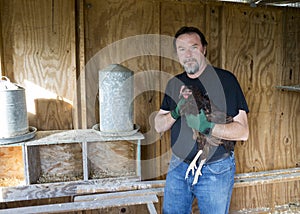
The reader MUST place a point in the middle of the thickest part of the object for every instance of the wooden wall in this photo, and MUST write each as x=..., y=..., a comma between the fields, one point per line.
x=54, y=48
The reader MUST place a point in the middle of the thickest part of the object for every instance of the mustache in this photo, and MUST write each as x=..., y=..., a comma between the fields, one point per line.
x=190, y=60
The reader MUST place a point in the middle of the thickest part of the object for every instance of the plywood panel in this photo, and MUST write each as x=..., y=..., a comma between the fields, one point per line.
x=266, y=197
x=112, y=159
x=287, y=138
x=174, y=15
x=288, y=108
x=214, y=23
x=11, y=166
x=253, y=57
x=291, y=49
x=39, y=51
x=60, y=163
x=126, y=32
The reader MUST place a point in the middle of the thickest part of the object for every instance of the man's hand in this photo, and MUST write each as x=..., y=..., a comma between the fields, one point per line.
x=199, y=122
x=176, y=112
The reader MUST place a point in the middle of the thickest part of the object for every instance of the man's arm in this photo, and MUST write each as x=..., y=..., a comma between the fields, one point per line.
x=163, y=121
x=237, y=130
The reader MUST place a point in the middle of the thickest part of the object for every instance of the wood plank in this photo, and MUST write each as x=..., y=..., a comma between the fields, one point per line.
x=11, y=166
x=289, y=88
x=76, y=136
x=39, y=54
x=112, y=195
x=277, y=172
x=265, y=196
x=87, y=205
x=85, y=163
x=213, y=25
x=59, y=162
x=251, y=30
x=112, y=159
x=267, y=180
x=55, y=190
x=137, y=48
x=80, y=64
x=88, y=189
x=32, y=164
x=290, y=70
x=151, y=208
x=174, y=15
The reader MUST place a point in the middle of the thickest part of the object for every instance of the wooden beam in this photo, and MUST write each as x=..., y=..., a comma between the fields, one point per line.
x=76, y=136
x=80, y=65
x=151, y=208
x=55, y=190
x=112, y=195
x=88, y=189
x=267, y=177
x=85, y=205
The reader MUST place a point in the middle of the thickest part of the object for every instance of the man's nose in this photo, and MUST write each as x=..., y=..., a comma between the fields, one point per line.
x=188, y=53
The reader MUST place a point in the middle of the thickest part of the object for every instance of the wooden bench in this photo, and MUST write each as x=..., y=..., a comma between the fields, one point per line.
x=88, y=196
x=106, y=201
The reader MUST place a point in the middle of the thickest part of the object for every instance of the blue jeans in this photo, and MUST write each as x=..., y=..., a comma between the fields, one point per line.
x=213, y=189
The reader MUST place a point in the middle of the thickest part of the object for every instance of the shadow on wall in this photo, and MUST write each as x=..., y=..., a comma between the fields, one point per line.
x=52, y=114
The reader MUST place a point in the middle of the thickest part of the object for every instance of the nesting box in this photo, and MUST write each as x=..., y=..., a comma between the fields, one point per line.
x=72, y=155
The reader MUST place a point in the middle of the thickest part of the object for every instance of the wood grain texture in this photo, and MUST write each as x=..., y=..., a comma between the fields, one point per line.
x=290, y=74
x=39, y=51
x=173, y=16
x=60, y=163
x=214, y=23
x=259, y=45
x=32, y=164
x=111, y=159
x=253, y=58
x=287, y=138
x=288, y=109
x=11, y=166
x=128, y=43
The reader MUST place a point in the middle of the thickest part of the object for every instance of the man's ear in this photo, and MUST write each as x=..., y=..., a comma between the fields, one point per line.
x=204, y=50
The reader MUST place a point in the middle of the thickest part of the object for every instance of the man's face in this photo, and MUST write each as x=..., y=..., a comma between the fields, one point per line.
x=191, y=52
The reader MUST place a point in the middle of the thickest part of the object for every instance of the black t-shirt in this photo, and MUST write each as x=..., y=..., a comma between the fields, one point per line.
x=223, y=90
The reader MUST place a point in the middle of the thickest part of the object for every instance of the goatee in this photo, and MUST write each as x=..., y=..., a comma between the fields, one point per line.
x=191, y=68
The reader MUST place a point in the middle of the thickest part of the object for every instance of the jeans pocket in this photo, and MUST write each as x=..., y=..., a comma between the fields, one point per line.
x=221, y=167
x=174, y=162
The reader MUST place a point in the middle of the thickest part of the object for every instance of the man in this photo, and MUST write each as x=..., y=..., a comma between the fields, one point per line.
x=214, y=187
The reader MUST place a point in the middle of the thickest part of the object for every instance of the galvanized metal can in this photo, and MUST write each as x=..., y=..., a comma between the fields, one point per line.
x=116, y=99
x=13, y=110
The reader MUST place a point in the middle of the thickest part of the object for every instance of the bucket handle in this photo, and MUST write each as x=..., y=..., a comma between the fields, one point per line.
x=6, y=78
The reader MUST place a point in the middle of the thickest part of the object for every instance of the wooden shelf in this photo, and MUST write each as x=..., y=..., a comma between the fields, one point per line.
x=290, y=88
x=74, y=155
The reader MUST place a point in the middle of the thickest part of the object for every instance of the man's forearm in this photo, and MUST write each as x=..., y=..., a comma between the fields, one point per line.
x=163, y=121
x=237, y=130
x=231, y=131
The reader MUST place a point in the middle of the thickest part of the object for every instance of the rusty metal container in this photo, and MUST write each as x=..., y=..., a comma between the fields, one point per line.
x=116, y=99
x=13, y=109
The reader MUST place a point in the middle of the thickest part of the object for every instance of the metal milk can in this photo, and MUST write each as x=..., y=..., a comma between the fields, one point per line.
x=13, y=111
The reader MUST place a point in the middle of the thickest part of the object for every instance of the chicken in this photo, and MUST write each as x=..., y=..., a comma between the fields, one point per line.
x=207, y=145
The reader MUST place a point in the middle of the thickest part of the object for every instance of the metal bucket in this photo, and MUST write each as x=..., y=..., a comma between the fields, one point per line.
x=13, y=110
x=115, y=99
